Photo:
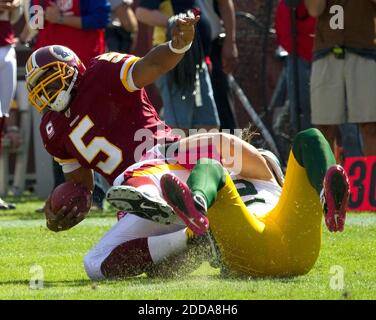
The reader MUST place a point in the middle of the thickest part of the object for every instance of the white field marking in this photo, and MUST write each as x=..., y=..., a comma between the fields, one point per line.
x=89, y=222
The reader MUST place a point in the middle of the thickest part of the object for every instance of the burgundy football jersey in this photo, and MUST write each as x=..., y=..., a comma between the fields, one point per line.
x=101, y=129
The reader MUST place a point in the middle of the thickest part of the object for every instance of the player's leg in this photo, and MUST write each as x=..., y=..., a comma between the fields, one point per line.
x=190, y=201
x=140, y=196
x=312, y=153
x=137, y=190
x=134, y=246
x=298, y=214
x=240, y=236
x=235, y=154
x=293, y=225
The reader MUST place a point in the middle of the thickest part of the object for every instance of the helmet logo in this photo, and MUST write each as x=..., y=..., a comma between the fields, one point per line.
x=50, y=130
x=62, y=53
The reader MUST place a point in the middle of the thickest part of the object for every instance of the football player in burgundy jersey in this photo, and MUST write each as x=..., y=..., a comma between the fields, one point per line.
x=91, y=116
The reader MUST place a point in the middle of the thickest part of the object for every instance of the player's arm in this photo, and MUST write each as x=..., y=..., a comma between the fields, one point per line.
x=236, y=155
x=14, y=8
x=82, y=176
x=315, y=7
x=162, y=59
x=64, y=219
x=10, y=5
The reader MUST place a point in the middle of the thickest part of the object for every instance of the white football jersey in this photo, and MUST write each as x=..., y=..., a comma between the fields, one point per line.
x=258, y=195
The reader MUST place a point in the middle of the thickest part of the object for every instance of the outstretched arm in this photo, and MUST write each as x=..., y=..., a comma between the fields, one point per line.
x=162, y=59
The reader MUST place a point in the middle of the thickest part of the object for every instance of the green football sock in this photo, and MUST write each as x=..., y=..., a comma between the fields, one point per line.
x=313, y=152
x=207, y=178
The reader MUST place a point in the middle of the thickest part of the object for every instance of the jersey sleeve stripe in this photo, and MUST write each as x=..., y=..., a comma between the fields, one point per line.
x=126, y=79
x=68, y=168
x=29, y=65
x=155, y=169
x=65, y=161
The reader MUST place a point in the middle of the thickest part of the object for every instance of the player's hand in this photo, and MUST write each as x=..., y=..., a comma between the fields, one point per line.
x=183, y=31
x=63, y=219
x=52, y=13
x=9, y=5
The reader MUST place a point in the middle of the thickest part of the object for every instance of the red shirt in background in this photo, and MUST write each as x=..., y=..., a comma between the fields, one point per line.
x=87, y=44
x=305, y=30
x=6, y=34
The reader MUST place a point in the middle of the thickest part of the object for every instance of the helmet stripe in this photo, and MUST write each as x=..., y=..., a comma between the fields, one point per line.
x=29, y=65
x=34, y=61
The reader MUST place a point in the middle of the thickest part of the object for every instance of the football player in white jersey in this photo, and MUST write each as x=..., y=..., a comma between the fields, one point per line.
x=260, y=223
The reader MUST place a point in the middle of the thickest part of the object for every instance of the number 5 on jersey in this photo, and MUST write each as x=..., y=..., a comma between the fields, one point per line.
x=96, y=145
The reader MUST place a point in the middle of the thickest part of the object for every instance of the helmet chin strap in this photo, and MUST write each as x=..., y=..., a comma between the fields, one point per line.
x=63, y=98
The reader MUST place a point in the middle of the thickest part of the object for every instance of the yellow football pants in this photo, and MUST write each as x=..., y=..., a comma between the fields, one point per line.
x=284, y=242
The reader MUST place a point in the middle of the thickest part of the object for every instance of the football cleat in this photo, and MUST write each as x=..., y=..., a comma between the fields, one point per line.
x=335, y=197
x=200, y=203
x=141, y=203
x=180, y=198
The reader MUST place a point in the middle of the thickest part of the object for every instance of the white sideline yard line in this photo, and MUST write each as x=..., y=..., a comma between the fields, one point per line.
x=359, y=220
x=91, y=222
x=107, y=222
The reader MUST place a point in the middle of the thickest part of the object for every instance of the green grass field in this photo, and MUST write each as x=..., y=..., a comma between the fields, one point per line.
x=24, y=242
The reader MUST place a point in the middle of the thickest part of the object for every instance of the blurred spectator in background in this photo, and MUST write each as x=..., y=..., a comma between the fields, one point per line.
x=79, y=25
x=12, y=130
x=305, y=30
x=76, y=24
x=223, y=55
x=186, y=91
x=121, y=34
x=10, y=12
x=344, y=68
